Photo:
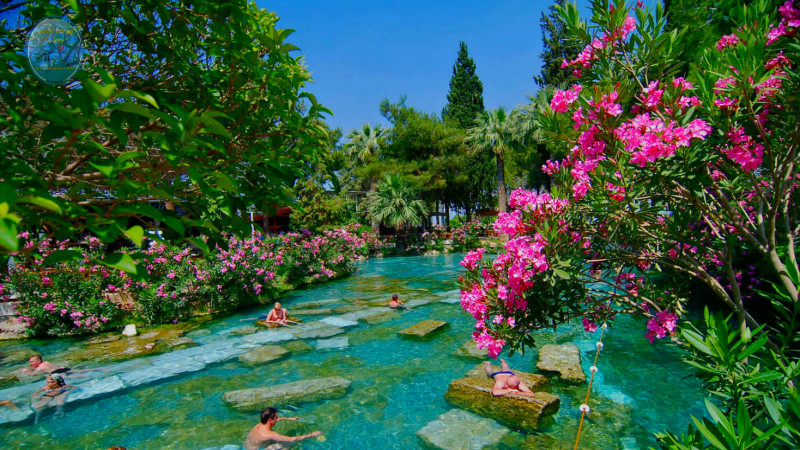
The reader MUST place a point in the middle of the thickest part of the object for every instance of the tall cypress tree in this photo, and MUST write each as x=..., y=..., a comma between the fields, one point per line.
x=556, y=48
x=475, y=185
x=465, y=99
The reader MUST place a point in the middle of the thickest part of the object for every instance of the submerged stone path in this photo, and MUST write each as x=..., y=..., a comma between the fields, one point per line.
x=238, y=342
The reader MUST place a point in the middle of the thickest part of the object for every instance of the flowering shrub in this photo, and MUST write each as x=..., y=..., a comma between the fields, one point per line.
x=176, y=283
x=669, y=177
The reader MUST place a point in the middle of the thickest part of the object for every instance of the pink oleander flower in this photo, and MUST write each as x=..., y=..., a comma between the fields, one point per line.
x=562, y=100
x=472, y=258
x=729, y=40
x=589, y=325
x=487, y=342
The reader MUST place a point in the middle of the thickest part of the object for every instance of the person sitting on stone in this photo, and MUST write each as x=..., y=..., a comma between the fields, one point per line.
x=396, y=303
x=505, y=382
x=278, y=315
x=54, y=393
x=262, y=436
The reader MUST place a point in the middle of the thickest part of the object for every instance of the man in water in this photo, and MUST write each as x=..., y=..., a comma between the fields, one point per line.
x=39, y=366
x=396, y=303
x=505, y=382
x=262, y=435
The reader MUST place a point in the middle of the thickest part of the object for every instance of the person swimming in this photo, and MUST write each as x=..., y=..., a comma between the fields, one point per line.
x=262, y=436
x=396, y=303
x=53, y=393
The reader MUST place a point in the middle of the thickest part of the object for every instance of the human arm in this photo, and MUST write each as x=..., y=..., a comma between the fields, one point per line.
x=281, y=438
x=289, y=418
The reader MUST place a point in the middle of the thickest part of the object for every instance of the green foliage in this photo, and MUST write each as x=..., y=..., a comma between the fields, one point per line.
x=465, y=98
x=755, y=387
x=317, y=209
x=395, y=204
x=194, y=107
x=556, y=47
x=701, y=22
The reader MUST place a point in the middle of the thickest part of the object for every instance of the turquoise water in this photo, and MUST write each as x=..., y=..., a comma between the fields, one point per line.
x=397, y=385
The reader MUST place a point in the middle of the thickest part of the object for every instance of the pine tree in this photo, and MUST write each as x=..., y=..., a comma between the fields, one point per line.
x=464, y=105
x=465, y=99
x=557, y=48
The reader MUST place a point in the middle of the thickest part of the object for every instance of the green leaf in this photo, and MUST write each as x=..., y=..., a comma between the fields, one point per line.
x=8, y=235
x=105, y=169
x=120, y=261
x=225, y=182
x=696, y=341
x=99, y=92
x=42, y=202
x=132, y=108
x=135, y=233
x=60, y=256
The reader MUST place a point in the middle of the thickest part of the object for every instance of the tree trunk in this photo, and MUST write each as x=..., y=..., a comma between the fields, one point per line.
x=502, y=201
x=376, y=227
x=447, y=213
x=468, y=213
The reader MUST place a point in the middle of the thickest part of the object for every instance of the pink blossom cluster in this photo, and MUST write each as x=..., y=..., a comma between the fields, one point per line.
x=660, y=326
x=563, y=100
x=588, y=55
x=726, y=41
x=472, y=258
x=790, y=20
x=744, y=150
x=649, y=139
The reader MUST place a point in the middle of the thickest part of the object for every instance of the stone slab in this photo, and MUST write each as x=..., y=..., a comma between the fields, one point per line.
x=461, y=430
x=339, y=322
x=282, y=394
x=263, y=355
x=312, y=330
x=564, y=359
x=474, y=393
x=313, y=312
x=338, y=343
x=470, y=350
x=93, y=388
x=298, y=347
x=267, y=337
x=424, y=329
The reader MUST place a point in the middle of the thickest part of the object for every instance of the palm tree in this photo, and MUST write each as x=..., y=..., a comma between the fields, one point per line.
x=365, y=146
x=500, y=131
x=396, y=204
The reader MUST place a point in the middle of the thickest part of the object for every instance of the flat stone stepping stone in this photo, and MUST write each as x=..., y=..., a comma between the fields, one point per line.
x=564, y=359
x=263, y=355
x=315, y=330
x=304, y=391
x=474, y=393
x=417, y=303
x=266, y=337
x=470, y=350
x=314, y=312
x=424, y=328
x=150, y=374
x=104, y=338
x=339, y=322
x=338, y=343
x=298, y=347
x=347, y=309
x=451, y=300
x=363, y=314
x=245, y=331
x=380, y=318
x=93, y=388
x=461, y=430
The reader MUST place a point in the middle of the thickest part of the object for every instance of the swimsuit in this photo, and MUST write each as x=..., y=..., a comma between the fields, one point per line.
x=62, y=370
x=498, y=373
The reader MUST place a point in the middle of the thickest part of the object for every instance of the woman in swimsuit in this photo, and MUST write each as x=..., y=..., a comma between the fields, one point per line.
x=53, y=393
x=277, y=315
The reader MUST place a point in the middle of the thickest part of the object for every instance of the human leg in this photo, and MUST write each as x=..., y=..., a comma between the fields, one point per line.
x=504, y=365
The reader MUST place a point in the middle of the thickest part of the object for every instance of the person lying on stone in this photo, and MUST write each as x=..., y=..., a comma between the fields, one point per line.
x=505, y=382
x=262, y=435
x=54, y=393
x=396, y=303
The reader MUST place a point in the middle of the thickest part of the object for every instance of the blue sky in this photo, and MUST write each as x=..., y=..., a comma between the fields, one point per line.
x=360, y=52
